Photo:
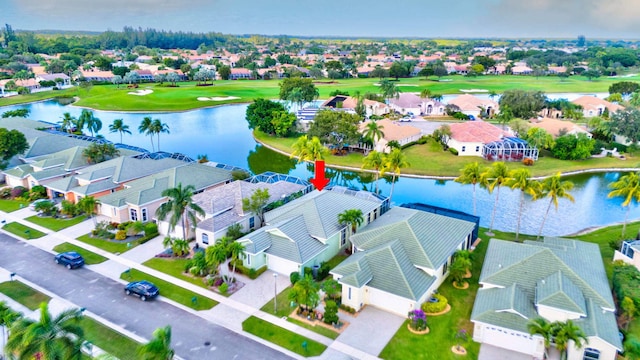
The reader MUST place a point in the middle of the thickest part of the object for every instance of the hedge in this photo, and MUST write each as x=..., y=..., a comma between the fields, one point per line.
x=626, y=282
x=435, y=307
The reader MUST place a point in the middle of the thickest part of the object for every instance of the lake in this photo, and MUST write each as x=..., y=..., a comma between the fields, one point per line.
x=223, y=135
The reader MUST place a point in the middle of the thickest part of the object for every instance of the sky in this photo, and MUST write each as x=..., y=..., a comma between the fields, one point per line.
x=613, y=19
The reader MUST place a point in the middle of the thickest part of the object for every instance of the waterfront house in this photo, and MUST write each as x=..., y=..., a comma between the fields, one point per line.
x=403, y=134
x=469, y=137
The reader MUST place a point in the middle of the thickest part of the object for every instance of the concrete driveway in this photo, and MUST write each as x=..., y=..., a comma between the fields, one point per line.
x=371, y=330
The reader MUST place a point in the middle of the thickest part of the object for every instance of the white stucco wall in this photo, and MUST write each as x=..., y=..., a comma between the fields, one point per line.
x=470, y=148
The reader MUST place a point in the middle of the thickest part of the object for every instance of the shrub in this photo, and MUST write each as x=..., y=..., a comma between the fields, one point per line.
x=18, y=191
x=324, y=269
x=37, y=192
x=308, y=271
x=331, y=312
x=527, y=161
x=423, y=140
x=135, y=228
x=418, y=320
x=246, y=271
x=235, y=231
x=348, y=309
x=5, y=192
x=150, y=229
x=626, y=282
x=453, y=151
x=123, y=226
x=431, y=307
x=121, y=235
x=69, y=208
x=294, y=277
x=224, y=288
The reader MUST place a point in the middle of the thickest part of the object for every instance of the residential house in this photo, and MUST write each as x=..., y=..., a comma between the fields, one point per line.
x=99, y=76
x=432, y=107
x=372, y=107
x=629, y=253
x=401, y=259
x=306, y=231
x=594, y=106
x=223, y=204
x=60, y=78
x=407, y=104
x=140, y=198
x=555, y=279
x=474, y=106
x=521, y=70
x=240, y=73
x=469, y=137
x=106, y=177
x=31, y=84
x=403, y=134
x=557, y=127
x=46, y=168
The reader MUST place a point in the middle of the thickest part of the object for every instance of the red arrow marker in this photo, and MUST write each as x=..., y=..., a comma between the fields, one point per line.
x=319, y=181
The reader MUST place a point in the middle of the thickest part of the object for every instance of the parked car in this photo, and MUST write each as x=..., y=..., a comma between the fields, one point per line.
x=70, y=259
x=144, y=289
x=32, y=206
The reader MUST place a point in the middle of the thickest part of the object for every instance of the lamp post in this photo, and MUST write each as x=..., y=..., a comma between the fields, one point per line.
x=275, y=293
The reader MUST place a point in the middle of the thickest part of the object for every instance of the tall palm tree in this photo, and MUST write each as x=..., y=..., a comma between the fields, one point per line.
x=309, y=149
x=352, y=217
x=88, y=205
x=217, y=254
x=158, y=127
x=565, y=333
x=395, y=161
x=470, y=174
x=181, y=207
x=540, y=326
x=554, y=188
x=147, y=129
x=119, y=126
x=375, y=160
x=49, y=338
x=88, y=120
x=493, y=178
x=67, y=122
x=521, y=180
x=389, y=89
x=627, y=187
x=7, y=317
x=159, y=347
x=373, y=132
x=317, y=151
x=236, y=250
x=301, y=148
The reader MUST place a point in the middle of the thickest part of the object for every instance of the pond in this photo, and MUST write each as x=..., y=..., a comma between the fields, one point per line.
x=222, y=134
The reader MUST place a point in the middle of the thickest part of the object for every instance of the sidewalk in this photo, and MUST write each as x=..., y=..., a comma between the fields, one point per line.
x=230, y=313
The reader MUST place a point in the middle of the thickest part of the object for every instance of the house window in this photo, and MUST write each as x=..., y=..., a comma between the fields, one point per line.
x=144, y=215
x=133, y=215
x=368, y=218
x=349, y=297
x=248, y=257
x=444, y=267
x=477, y=148
x=343, y=236
x=464, y=148
x=252, y=222
x=115, y=212
x=375, y=214
x=591, y=354
x=205, y=239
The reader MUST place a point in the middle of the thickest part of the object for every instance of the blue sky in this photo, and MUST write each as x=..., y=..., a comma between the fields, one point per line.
x=401, y=18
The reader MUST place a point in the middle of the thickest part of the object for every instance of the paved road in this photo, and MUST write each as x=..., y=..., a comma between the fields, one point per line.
x=106, y=298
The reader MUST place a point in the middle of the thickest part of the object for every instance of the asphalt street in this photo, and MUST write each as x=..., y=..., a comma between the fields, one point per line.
x=105, y=297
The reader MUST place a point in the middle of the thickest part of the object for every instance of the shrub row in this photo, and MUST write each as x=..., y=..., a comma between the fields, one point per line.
x=251, y=273
x=626, y=282
x=347, y=308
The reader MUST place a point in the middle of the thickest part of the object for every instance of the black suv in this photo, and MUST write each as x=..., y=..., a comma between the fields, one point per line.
x=70, y=259
x=144, y=289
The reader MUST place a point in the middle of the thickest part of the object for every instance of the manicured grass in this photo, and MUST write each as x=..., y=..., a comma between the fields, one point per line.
x=108, y=339
x=282, y=337
x=23, y=231
x=7, y=205
x=90, y=258
x=45, y=95
x=55, y=224
x=317, y=329
x=175, y=268
x=336, y=260
x=172, y=291
x=112, y=247
x=430, y=159
x=23, y=294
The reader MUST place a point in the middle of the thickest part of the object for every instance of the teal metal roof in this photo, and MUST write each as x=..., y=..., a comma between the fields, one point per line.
x=509, y=307
x=558, y=291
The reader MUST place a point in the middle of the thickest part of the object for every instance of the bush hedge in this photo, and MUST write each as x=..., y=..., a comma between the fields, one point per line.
x=435, y=307
x=626, y=282
x=453, y=151
x=251, y=273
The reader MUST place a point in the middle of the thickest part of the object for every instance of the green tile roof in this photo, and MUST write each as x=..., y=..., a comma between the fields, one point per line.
x=508, y=307
x=388, y=268
x=429, y=239
x=558, y=291
x=601, y=324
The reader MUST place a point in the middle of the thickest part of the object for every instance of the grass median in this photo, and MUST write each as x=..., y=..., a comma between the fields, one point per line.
x=283, y=337
x=106, y=245
x=8, y=205
x=109, y=340
x=23, y=231
x=23, y=294
x=90, y=258
x=172, y=291
x=55, y=224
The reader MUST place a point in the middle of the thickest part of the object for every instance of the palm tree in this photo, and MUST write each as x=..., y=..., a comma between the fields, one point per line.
x=564, y=333
x=554, y=188
x=309, y=149
x=88, y=205
x=67, y=122
x=301, y=148
x=181, y=207
x=7, y=317
x=627, y=187
x=492, y=178
x=373, y=132
x=159, y=347
x=375, y=160
x=119, y=126
x=89, y=121
x=158, y=127
x=470, y=174
x=521, y=179
x=351, y=217
x=236, y=250
x=395, y=161
x=147, y=129
x=540, y=326
x=217, y=254
x=389, y=89
x=50, y=338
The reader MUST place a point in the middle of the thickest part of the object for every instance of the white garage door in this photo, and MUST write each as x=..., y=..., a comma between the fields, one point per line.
x=388, y=302
x=281, y=265
x=509, y=339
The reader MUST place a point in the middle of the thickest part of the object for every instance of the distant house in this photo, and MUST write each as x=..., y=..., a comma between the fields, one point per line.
x=475, y=106
x=555, y=279
x=401, y=259
x=521, y=70
x=347, y=102
x=306, y=231
x=407, y=103
x=60, y=78
x=403, y=134
x=629, y=253
x=431, y=107
x=469, y=137
x=557, y=127
x=99, y=76
x=594, y=106
x=240, y=73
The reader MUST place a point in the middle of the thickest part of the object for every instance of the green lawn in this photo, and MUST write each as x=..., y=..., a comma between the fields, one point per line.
x=55, y=224
x=172, y=291
x=23, y=231
x=110, y=97
x=282, y=337
x=90, y=258
x=175, y=268
x=23, y=294
x=108, y=339
x=110, y=246
x=7, y=205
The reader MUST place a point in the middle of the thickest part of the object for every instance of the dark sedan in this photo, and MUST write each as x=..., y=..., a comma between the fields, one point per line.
x=70, y=259
x=144, y=289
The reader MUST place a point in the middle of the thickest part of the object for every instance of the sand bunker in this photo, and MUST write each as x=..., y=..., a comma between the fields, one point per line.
x=474, y=90
x=218, y=98
x=141, y=92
